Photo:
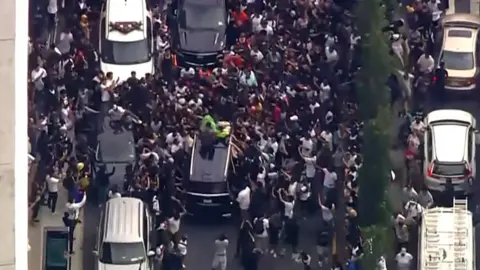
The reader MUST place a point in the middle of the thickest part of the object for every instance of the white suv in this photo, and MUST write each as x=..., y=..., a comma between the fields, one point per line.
x=449, y=149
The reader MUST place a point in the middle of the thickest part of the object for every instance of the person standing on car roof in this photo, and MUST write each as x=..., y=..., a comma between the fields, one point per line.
x=207, y=139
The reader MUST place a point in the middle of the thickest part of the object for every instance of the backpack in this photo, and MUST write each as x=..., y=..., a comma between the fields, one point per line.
x=258, y=227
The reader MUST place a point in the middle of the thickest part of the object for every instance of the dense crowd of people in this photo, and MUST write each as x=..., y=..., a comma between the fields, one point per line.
x=282, y=88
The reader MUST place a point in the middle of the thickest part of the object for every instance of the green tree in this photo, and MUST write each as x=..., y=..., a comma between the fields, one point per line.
x=378, y=240
x=374, y=98
x=374, y=106
x=374, y=175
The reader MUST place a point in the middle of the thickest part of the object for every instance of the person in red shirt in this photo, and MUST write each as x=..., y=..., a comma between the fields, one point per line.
x=240, y=17
x=277, y=111
x=233, y=60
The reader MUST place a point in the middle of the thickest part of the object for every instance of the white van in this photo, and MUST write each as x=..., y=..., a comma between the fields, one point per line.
x=123, y=238
x=447, y=238
x=126, y=38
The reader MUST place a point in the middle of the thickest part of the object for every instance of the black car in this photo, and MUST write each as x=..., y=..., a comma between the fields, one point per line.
x=198, y=28
x=207, y=187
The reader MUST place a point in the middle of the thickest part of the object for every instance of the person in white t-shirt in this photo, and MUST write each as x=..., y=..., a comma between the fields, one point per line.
x=243, y=199
x=256, y=54
x=52, y=10
x=418, y=126
x=116, y=113
x=36, y=77
x=404, y=259
x=329, y=181
x=107, y=86
x=264, y=26
x=331, y=55
x=310, y=169
x=288, y=202
x=64, y=44
x=174, y=224
x=52, y=185
x=256, y=19
x=327, y=136
x=120, y=115
x=307, y=145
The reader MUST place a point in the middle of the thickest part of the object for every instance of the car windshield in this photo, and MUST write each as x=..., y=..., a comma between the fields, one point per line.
x=458, y=60
x=125, y=53
x=122, y=253
x=202, y=17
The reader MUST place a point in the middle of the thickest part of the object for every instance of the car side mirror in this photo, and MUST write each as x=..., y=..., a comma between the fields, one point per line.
x=151, y=253
x=95, y=252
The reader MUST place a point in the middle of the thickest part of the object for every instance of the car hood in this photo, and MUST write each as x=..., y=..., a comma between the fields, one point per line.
x=124, y=71
x=201, y=41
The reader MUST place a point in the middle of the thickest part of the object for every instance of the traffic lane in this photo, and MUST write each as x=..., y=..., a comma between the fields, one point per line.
x=91, y=218
x=201, y=237
x=473, y=107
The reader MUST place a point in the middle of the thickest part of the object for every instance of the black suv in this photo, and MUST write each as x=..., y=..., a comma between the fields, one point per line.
x=207, y=187
x=198, y=29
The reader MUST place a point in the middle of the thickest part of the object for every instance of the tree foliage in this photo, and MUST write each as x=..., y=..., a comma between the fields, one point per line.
x=378, y=240
x=374, y=175
x=374, y=106
x=377, y=62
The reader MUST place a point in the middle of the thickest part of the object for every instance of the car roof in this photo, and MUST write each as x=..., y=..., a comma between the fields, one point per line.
x=209, y=171
x=125, y=10
x=449, y=114
x=459, y=43
x=468, y=20
x=118, y=11
x=124, y=219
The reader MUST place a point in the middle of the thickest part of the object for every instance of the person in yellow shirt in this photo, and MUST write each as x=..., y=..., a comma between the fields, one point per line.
x=82, y=176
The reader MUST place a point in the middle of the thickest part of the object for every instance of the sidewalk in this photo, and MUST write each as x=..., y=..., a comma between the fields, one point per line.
x=47, y=219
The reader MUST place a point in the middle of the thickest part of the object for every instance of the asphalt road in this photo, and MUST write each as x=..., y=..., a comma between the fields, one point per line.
x=472, y=105
x=201, y=235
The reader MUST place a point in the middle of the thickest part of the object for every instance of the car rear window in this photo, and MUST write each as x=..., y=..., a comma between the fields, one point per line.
x=450, y=169
x=458, y=60
x=460, y=33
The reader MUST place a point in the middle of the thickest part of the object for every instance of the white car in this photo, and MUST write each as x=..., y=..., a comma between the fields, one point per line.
x=449, y=149
x=459, y=50
x=125, y=39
